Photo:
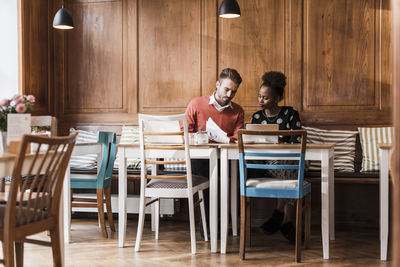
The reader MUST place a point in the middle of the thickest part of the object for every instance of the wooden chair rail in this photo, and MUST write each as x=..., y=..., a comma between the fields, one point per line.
x=165, y=147
x=166, y=177
x=159, y=162
x=161, y=133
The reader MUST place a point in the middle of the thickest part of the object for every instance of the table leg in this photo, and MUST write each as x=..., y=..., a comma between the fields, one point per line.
x=122, y=198
x=67, y=205
x=224, y=199
x=384, y=201
x=213, y=199
x=325, y=205
x=234, y=179
x=331, y=180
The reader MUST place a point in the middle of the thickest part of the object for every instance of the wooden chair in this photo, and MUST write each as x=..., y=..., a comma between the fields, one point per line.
x=161, y=137
x=40, y=121
x=34, y=198
x=273, y=188
x=101, y=182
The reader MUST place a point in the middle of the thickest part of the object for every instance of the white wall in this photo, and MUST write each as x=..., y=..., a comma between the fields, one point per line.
x=8, y=48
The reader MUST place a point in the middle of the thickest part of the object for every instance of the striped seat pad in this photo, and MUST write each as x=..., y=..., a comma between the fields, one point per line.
x=370, y=139
x=176, y=184
x=129, y=136
x=344, y=148
x=88, y=161
x=273, y=183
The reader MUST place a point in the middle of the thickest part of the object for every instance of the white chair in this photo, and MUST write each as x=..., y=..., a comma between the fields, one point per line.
x=161, y=137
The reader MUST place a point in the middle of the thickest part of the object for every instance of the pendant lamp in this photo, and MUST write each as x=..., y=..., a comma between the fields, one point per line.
x=229, y=9
x=62, y=19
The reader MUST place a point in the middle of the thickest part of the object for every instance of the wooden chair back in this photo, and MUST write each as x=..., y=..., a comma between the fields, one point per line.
x=246, y=154
x=36, y=185
x=40, y=121
x=109, y=139
x=173, y=129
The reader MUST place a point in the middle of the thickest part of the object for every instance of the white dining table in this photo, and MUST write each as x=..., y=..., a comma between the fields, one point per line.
x=384, y=152
x=320, y=152
x=196, y=152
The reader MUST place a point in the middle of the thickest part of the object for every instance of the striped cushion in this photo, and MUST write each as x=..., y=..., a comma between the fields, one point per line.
x=370, y=139
x=88, y=161
x=344, y=149
x=129, y=135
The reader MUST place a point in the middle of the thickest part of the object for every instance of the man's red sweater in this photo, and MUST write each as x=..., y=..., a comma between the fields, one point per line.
x=230, y=120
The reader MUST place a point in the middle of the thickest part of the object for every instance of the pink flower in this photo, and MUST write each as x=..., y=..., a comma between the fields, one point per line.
x=20, y=100
x=5, y=102
x=15, y=97
x=20, y=108
x=31, y=98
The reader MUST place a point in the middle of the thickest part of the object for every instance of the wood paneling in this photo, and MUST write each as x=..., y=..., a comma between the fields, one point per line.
x=154, y=56
x=395, y=157
x=346, y=71
x=34, y=52
x=169, y=54
x=340, y=51
x=94, y=56
x=253, y=44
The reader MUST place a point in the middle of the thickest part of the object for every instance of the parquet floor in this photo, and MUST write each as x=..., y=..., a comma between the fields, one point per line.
x=88, y=248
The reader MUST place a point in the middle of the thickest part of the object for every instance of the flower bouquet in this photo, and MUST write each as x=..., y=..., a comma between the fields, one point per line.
x=17, y=104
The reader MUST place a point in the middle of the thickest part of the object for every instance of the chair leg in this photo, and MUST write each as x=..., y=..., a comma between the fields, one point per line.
x=157, y=217
x=248, y=222
x=307, y=222
x=107, y=192
x=19, y=254
x=243, y=221
x=192, y=224
x=8, y=253
x=139, y=232
x=203, y=215
x=299, y=220
x=100, y=209
x=56, y=245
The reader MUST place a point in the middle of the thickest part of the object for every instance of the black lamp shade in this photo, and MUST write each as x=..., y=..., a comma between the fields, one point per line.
x=63, y=20
x=229, y=9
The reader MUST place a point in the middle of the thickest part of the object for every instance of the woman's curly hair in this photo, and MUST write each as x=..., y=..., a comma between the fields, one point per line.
x=276, y=81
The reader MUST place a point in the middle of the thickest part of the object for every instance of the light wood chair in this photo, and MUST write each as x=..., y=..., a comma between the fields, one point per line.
x=33, y=203
x=40, y=121
x=273, y=188
x=161, y=137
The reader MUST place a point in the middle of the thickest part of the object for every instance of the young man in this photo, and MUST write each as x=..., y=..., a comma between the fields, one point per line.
x=228, y=115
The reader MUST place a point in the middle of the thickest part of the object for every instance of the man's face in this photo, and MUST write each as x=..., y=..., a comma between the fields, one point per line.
x=226, y=90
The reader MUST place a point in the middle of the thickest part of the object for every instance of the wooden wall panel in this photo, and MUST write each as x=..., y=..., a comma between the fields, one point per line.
x=94, y=56
x=35, y=53
x=340, y=51
x=169, y=54
x=253, y=44
x=346, y=74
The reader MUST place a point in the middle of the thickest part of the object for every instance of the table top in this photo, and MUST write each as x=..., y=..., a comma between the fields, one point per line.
x=210, y=145
x=272, y=146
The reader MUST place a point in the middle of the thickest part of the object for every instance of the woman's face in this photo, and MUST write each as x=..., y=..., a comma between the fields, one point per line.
x=266, y=98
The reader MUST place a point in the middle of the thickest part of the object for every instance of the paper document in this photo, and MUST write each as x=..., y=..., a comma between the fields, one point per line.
x=215, y=133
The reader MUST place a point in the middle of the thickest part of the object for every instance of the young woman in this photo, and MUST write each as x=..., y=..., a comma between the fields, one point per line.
x=270, y=94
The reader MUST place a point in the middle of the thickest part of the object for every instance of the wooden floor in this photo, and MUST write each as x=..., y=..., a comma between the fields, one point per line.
x=89, y=248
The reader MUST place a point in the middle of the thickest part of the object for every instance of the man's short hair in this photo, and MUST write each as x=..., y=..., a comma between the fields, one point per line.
x=232, y=74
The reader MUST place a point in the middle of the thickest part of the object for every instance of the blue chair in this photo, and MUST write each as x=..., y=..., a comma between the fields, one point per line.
x=101, y=182
x=273, y=188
